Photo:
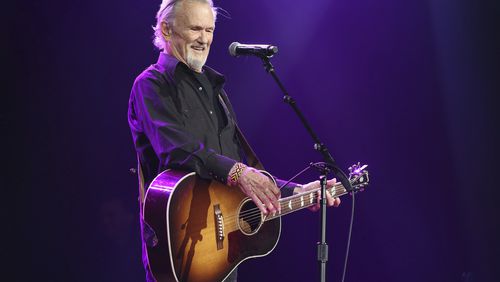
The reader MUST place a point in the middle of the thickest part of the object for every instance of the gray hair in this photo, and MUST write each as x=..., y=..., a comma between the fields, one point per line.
x=166, y=14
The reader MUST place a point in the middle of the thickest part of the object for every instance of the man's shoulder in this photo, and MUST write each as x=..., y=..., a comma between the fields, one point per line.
x=153, y=74
x=152, y=82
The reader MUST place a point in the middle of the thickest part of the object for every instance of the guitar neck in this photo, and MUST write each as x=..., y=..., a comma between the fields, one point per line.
x=304, y=200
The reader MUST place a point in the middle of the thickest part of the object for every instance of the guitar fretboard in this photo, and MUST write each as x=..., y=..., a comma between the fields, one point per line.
x=304, y=200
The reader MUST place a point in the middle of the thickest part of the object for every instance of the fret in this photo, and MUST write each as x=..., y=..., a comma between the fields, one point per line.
x=303, y=200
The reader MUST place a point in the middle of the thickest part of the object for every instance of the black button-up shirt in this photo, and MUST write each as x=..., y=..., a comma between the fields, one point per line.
x=177, y=121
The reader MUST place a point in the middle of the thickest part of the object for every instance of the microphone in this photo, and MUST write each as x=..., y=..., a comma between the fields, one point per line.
x=237, y=49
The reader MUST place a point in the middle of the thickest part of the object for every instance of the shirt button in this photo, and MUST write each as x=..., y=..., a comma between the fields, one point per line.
x=200, y=88
x=211, y=112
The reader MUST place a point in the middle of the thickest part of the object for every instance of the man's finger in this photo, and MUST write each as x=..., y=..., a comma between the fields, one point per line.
x=273, y=188
x=272, y=197
x=316, y=207
x=330, y=199
x=332, y=181
x=265, y=200
x=259, y=204
x=337, y=202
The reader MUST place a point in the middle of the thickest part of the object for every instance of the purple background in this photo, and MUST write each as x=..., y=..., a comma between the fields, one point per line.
x=408, y=87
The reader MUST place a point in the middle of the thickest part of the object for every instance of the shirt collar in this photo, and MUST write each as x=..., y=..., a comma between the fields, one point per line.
x=170, y=63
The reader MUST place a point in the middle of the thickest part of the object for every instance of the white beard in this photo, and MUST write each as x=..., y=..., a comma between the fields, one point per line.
x=195, y=62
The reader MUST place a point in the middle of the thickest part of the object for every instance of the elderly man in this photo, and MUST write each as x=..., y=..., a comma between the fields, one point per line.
x=180, y=117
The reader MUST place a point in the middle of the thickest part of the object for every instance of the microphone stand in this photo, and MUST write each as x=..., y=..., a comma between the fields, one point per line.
x=329, y=166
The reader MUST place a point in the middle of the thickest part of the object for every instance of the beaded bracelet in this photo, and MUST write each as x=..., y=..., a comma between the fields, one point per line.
x=235, y=173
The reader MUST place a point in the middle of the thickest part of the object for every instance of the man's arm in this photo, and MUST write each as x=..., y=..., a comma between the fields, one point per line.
x=153, y=111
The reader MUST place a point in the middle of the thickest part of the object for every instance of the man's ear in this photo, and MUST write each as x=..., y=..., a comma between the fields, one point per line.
x=166, y=31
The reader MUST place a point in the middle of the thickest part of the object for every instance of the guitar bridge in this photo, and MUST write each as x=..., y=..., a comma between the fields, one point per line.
x=219, y=226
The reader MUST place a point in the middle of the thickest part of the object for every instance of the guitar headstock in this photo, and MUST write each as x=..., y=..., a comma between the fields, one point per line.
x=358, y=176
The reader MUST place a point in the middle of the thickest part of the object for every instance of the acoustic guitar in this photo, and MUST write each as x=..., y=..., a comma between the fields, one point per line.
x=203, y=229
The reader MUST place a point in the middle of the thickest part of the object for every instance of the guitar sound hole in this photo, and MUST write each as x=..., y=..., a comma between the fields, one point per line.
x=249, y=218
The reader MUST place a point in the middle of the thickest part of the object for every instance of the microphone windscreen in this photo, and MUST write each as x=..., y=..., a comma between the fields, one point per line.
x=232, y=48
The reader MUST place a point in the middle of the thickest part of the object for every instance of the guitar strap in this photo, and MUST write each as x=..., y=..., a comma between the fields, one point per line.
x=142, y=190
x=251, y=157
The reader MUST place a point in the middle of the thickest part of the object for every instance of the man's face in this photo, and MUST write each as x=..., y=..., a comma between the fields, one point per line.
x=192, y=34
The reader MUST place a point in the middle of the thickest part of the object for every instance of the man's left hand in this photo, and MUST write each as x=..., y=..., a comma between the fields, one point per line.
x=315, y=185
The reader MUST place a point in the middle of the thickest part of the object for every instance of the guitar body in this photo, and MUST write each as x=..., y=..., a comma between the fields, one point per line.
x=200, y=235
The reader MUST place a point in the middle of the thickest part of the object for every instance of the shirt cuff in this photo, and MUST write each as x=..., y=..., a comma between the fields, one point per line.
x=219, y=167
x=287, y=190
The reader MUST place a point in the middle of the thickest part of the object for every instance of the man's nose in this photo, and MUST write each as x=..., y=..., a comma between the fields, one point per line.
x=203, y=38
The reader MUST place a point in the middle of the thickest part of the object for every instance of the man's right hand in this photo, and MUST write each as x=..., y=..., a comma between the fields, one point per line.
x=260, y=189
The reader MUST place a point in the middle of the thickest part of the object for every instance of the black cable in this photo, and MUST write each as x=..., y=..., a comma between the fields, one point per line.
x=349, y=237
x=301, y=172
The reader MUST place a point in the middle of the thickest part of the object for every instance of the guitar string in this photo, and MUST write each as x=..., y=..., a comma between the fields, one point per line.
x=253, y=215
x=338, y=187
x=257, y=219
x=294, y=201
x=255, y=212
